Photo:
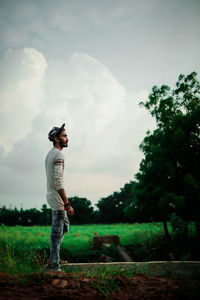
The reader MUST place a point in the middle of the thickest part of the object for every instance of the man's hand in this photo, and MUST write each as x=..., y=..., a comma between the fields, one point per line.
x=70, y=211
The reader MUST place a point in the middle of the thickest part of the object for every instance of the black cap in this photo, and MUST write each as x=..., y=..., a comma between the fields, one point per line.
x=55, y=131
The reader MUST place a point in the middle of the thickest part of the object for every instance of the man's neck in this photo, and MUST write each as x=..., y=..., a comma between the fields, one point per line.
x=58, y=147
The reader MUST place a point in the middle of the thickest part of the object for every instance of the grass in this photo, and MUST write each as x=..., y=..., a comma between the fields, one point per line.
x=24, y=249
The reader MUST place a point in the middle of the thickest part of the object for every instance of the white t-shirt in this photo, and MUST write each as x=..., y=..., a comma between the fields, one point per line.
x=54, y=165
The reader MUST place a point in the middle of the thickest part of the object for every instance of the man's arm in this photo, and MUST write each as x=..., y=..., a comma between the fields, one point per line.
x=62, y=194
x=58, y=176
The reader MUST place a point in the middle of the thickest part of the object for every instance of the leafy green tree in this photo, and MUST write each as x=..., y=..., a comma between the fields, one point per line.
x=111, y=208
x=45, y=217
x=30, y=217
x=83, y=212
x=169, y=177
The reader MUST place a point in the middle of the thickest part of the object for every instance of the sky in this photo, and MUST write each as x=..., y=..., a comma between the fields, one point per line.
x=88, y=64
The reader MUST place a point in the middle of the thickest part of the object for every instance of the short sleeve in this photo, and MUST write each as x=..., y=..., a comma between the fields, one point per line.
x=58, y=171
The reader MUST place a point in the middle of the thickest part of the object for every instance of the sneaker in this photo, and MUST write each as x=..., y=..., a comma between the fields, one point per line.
x=63, y=262
x=55, y=270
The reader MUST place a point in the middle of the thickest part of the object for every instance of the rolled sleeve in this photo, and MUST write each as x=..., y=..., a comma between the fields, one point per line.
x=58, y=170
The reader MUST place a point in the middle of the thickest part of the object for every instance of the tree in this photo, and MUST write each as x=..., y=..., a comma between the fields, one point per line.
x=83, y=212
x=169, y=177
x=45, y=217
x=111, y=208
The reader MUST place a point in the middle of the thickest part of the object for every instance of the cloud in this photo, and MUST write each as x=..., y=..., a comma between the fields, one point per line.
x=45, y=18
x=103, y=122
x=20, y=93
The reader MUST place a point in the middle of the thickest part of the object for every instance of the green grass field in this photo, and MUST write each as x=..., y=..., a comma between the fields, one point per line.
x=24, y=249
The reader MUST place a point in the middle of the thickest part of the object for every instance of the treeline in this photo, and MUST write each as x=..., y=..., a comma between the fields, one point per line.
x=110, y=210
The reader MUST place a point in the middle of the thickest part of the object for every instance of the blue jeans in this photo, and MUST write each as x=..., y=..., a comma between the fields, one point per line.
x=60, y=226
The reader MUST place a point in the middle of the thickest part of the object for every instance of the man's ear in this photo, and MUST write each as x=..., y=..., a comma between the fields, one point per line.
x=56, y=139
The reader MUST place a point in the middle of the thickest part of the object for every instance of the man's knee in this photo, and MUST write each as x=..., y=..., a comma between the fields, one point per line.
x=56, y=233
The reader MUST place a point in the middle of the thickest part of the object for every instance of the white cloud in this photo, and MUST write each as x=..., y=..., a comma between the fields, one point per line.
x=20, y=93
x=103, y=123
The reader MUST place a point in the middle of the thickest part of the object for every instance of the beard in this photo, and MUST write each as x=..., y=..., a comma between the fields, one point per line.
x=63, y=144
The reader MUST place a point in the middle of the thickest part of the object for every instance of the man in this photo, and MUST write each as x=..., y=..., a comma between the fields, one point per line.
x=56, y=196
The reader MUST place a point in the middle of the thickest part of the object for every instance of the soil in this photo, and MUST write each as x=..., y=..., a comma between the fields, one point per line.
x=64, y=285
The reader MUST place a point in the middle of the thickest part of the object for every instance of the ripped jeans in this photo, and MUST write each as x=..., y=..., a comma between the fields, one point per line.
x=60, y=226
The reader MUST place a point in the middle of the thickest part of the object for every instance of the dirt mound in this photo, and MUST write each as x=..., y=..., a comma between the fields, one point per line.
x=63, y=285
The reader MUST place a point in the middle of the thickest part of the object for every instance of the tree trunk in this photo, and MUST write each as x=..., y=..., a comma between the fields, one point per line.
x=166, y=232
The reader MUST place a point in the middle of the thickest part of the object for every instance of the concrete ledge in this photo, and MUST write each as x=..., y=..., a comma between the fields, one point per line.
x=157, y=268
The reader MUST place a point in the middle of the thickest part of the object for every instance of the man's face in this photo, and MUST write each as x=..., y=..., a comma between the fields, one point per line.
x=63, y=139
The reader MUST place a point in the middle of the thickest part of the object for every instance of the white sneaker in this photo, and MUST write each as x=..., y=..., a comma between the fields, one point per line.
x=55, y=270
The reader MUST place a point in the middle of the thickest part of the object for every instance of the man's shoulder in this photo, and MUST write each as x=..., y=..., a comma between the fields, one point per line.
x=57, y=153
